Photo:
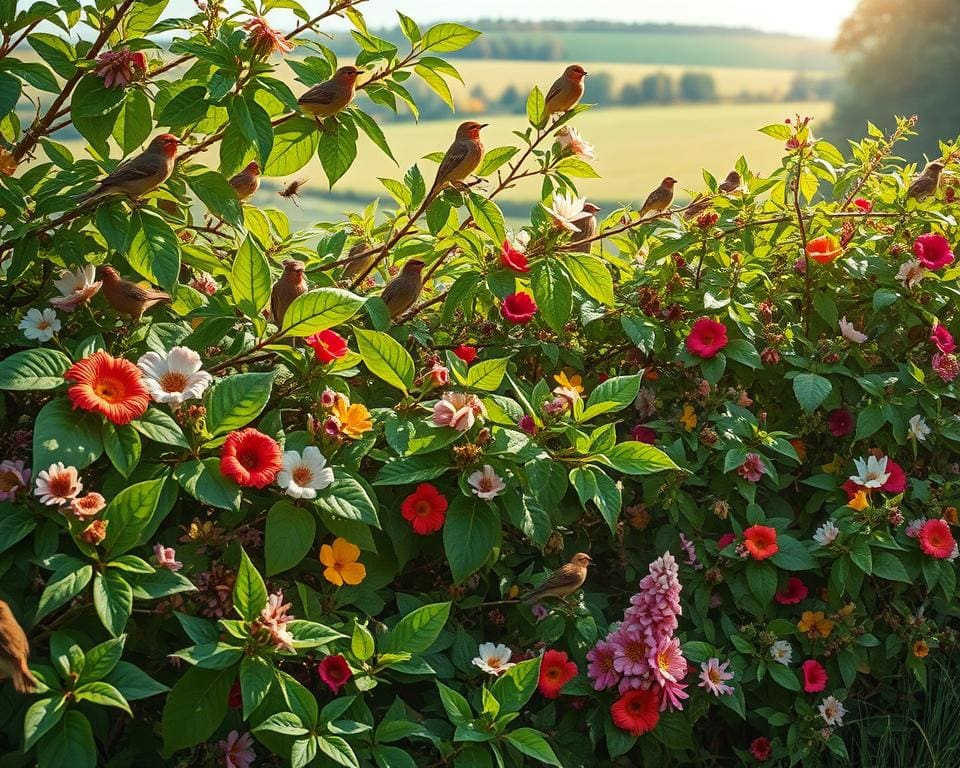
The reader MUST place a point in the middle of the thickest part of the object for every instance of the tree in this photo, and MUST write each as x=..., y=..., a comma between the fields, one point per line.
x=698, y=86
x=601, y=89
x=901, y=59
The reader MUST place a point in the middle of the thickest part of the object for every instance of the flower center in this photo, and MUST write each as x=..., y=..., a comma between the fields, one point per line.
x=60, y=486
x=302, y=475
x=636, y=651
x=553, y=674
x=486, y=484
x=109, y=389
x=8, y=481
x=249, y=459
x=424, y=508
x=43, y=325
x=714, y=675
x=173, y=381
x=494, y=662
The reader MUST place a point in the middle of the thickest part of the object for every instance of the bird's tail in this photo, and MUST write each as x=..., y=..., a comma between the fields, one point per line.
x=23, y=679
x=91, y=197
x=531, y=597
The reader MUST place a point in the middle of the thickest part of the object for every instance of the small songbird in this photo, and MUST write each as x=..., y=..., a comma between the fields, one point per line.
x=660, y=199
x=355, y=266
x=927, y=182
x=292, y=283
x=566, y=90
x=461, y=159
x=401, y=292
x=729, y=185
x=247, y=181
x=14, y=652
x=329, y=97
x=140, y=174
x=127, y=297
x=563, y=581
x=587, y=228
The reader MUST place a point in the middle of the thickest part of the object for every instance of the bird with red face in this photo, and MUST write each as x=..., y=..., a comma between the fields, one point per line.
x=141, y=174
x=247, y=181
x=329, y=97
x=659, y=200
x=566, y=91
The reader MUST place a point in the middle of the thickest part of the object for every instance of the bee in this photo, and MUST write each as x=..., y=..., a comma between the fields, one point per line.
x=291, y=190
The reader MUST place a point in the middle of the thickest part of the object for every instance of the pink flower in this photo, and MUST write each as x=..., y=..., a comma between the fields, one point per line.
x=120, y=67
x=942, y=339
x=850, y=333
x=87, y=506
x=58, y=484
x=714, y=676
x=672, y=694
x=932, y=250
x=795, y=592
x=335, y=672
x=913, y=528
x=527, y=424
x=439, y=375
x=519, y=308
x=752, y=468
x=814, y=676
x=601, y=669
x=667, y=661
x=14, y=477
x=840, y=422
x=205, y=284
x=936, y=539
x=945, y=366
x=725, y=541
x=237, y=750
x=263, y=39
x=631, y=654
x=643, y=434
x=458, y=410
x=691, y=553
x=706, y=338
x=274, y=618
x=167, y=557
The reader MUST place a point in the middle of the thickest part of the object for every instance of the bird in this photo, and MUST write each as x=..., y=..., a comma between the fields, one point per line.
x=141, y=174
x=460, y=160
x=702, y=202
x=247, y=181
x=291, y=284
x=14, y=652
x=401, y=292
x=127, y=297
x=566, y=90
x=660, y=199
x=329, y=97
x=927, y=182
x=563, y=581
x=587, y=228
x=354, y=267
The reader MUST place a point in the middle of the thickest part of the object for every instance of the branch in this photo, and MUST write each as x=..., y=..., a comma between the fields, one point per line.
x=807, y=276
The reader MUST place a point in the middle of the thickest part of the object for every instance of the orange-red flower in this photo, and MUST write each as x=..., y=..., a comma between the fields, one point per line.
x=327, y=345
x=936, y=539
x=425, y=509
x=761, y=541
x=637, y=711
x=824, y=249
x=108, y=385
x=263, y=39
x=250, y=458
x=556, y=670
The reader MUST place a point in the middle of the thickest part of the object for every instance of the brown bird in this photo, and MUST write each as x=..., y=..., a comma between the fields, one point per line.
x=927, y=182
x=329, y=97
x=14, y=652
x=729, y=185
x=660, y=199
x=291, y=284
x=291, y=190
x=563, y=581
x=401, y=292
x=140, y=174
x=566, y=90
x=355, y=266
x=247, y=181
x=127, y=297
x=587, y=228
x=460, y=160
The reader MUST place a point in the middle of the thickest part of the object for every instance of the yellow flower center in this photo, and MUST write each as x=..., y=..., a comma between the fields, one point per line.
x=109, y=389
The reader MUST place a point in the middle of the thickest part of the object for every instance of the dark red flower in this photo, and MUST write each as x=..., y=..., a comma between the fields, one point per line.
x=760, y=749
x=335, y=672
x=840, y=422
x=814, y=676
x=706, y=338
x=235, y=701
x=425, y=509
x=863, y=204
x=556, y=670
x=643, y=434
x=519, y=308
x=725, y=541
x=942, y=339
x=795, y=591
x=513, y=259
x=250, y=458
x=637, y=711
x=527, y=424
x=466, y=353
x=761, y=541
x=932, y=250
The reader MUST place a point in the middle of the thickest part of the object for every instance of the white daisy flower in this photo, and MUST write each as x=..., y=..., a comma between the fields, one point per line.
x=76, y=287
x=871, y=473
x=850, y=333
x=826, y=533
x=302, y=476
x=781, y=652
x=176, y=377
x=486, y=483
x=494, y=659
x=566, y=209
x=40, y=326
x=918, y=428
x=832, y=711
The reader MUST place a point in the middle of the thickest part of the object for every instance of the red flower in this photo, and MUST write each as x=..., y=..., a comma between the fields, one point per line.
x=725, y=541
x=636, y=711
x=513, y=259
x=425, y=509
x=119, y=67
x=250, y=458
x=519, y=308
x=335, y=672
x=556, y=670
x=706, y=338
x=898, y=478
x=108, y=385
x=643, y=434
x=760, y=748
x=235, y=700
x=864, y=205
x=823, y=249
x=942, y=339
x=761, y=541
x=936, y=539
x=263, y=39
x=466, y=353
x=932, y=250
x=840, y=422
x=795, y=592
x=327, y=345
x=814, y=676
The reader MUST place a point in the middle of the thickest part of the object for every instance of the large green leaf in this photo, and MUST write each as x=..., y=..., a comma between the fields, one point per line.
x=471, y=534
x=69, y=743
x=811, y=390
x=134, y=122
x=348, y=499
x=128, y=515
x=113, y=600
x=531, y=742
x=386, y=358
x=204, y=481
x=552, y=292
x=249, y=591
x=633, y=458
x=514, y=687
x=294, y=143
x=318, y=310
x=338, y=147
x=416, y=631
x=215, y=192
x=33, y=369
x=154, y=250
x=447, y=37
x=614, y=394
x=288, y=537
x=195, y=707
x=250, y=281
x=591, y=274
x=237, y=400
x=62, y=434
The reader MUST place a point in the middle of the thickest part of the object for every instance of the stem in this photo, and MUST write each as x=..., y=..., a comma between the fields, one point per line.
x=807, y=276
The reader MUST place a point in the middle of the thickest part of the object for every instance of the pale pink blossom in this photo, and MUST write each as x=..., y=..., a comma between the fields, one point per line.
x=486, y=484
x=850, y=333
x=601, y=669
x=274, y=619
x=58, y=484
x=237, y=750
x=167, y=557
x=14, y=477
x=76, y=287
x=714, y=676
x=569, y=139
x=458, y=410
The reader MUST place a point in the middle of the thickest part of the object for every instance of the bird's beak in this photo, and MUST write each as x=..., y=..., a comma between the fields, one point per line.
x=483, y=125
x=585, y=74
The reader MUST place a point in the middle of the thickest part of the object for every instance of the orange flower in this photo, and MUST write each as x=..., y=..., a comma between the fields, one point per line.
x=761, y=541
x=689, y=417
x=950, y=515
x=920, y=649
x=859, y=502
x=341, y=563
x=8, y=163
x=575, y=382
x=800, y=447
x=824, y=249
x=815, y=623
x=108, y=385
x=354, y=419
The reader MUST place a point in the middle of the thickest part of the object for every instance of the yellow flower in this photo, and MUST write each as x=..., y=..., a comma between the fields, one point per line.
x=859, y=502
x=815, y=623
x=920, y=649
x=341, y=563
x=846, y=610
x=689, y=417
x=574, y=382
x=834, y=466
x=513, y=592
x=354, y=419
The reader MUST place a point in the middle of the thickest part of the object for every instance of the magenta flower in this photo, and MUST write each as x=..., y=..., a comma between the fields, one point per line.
x=946, y=366
x=942, y=339
x=752, y=468
x=932, y=250
x=601, y=669
x=630, y=652
x=120, y=67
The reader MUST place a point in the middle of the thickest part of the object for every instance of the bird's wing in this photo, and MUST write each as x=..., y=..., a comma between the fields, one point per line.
x=13, y=642
x=453, y=159
x=321, y=93
x=554, y=89
x=131, y=171
x=139, y=293
x=566, y=577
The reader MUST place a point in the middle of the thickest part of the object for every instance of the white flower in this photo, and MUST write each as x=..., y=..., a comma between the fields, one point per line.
x=494, y=658
x=40, y=325
x=826, y=533
x=76, y=287
x=954, y=553
x=174, y=378
x=567, y=209
x=850, y=333
x=569, y=137
x=918, y=428
x=781, y=652
x=832, y=711
x=302, y=476
x=913, y=527
x=521, y=240
x=911, y=273
x=486, y=484
x=871, y=473
x=58, y=484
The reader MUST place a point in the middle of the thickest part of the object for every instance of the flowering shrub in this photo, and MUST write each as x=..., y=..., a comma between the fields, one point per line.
x=682, y=488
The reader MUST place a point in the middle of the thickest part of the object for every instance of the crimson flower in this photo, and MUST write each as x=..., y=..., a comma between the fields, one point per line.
x=725, y=541
x=795, y=592
x=706, y=338
x=637, y=711
x=108, y=385
x=863, y=204
x=760, y=749
x=814, y=676
x=556, y=670
x=761, y=541
x=932, y=250
x=936, y=539
x=896, y=483
x=942, y=339
x=250, y=458
x=466, y=353
x=840, y=422
x=235, y=700
x=513, y=259
x=425, y=509
x=643, y=434
x=327, y=346
x=335, y=672
x=519, y=308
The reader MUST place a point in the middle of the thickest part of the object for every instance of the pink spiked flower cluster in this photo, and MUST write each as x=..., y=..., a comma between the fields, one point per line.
x=642, y=651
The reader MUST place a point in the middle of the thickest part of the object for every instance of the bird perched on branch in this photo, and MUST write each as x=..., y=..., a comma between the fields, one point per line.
x=729, y=185
x=354, y=267
x=291, y=284
x=566, y=91
x=127, y=297
x=563, y=581
x=587, y=228
x=460, y=160
x=329, y=97
x=14, y=652
x=927, y=182
x=141, y=174
x=401, y=292
x=660, y=199
x=247, y=181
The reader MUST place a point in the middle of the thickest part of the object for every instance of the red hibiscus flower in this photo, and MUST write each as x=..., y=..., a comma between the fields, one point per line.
x=824, y=249
x=513, y=259
x=108, y=385
x=932, y=250
x=425, y=509
x=942, y=339
x=795, y=591
x=761, y=541
x=335, y=672
x=760, y=749
x=863, y=204
x=466, y=353
x=556, y=670
x=250, y=458
x=636, y=711
x=643, y=434
x=706, y=338
x=725, y=541
x=840, y=422
x=814, y=676
x=519, y=308
x=327, y=346
x=936, y=539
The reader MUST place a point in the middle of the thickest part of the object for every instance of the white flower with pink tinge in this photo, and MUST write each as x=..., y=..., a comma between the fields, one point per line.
x=58, y=484
x=175, y=377
x=76, y=287
x=302, y=476
x=486, y=483
x=458, y=410
x=569, y=138
x=714, y=676
x=494, y=659
x=274, y=619
x=237, y=750
x=850, y=333
x=566, y=210
x=167, y=557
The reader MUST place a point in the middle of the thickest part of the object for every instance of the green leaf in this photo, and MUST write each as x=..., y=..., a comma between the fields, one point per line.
x=250, y=281
x=93, y=108
x=593, y=485
x=531, y=743
x=487, y=216
x=215, y=192
x=762, y=580
x=69, y=743
x=195, y=707
x=154, y=250
x=113, y=600
x=33, y=369
x=256, y=677
x=338, y=750
x=612, y=395
x=289, y=536
x=591, y=275
x=536, y=108
x=784, y=676
x=779, y=131
x=487, y=375
x=294, y=143
x=103, y=694
x=869, y=421
x=347, y=498
x=285, y=723
x=792, y=555
x=633, y=458
x=887, y=566
x=414, y=469
x=40, y=718
x=62, y=434
x=362, y=643
x=204, y=481
x=133, y=683
x=552, y=292
x=455, y=705
x=249, y=591
x=62, y=587
x=471, y=533
x=742, y=351
x=447, y=37
x=122, y=445
x=386, y=358
x=514, y=687
x=318, y=310
x=128, y=514
x=811, y=390
x=160, y=427
x=338, y=147
x=494, y=159
x=101, y=660
x=237, y=400
x=15, y=524
x=418, y=630
x=134, y=122
x=370, y=127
